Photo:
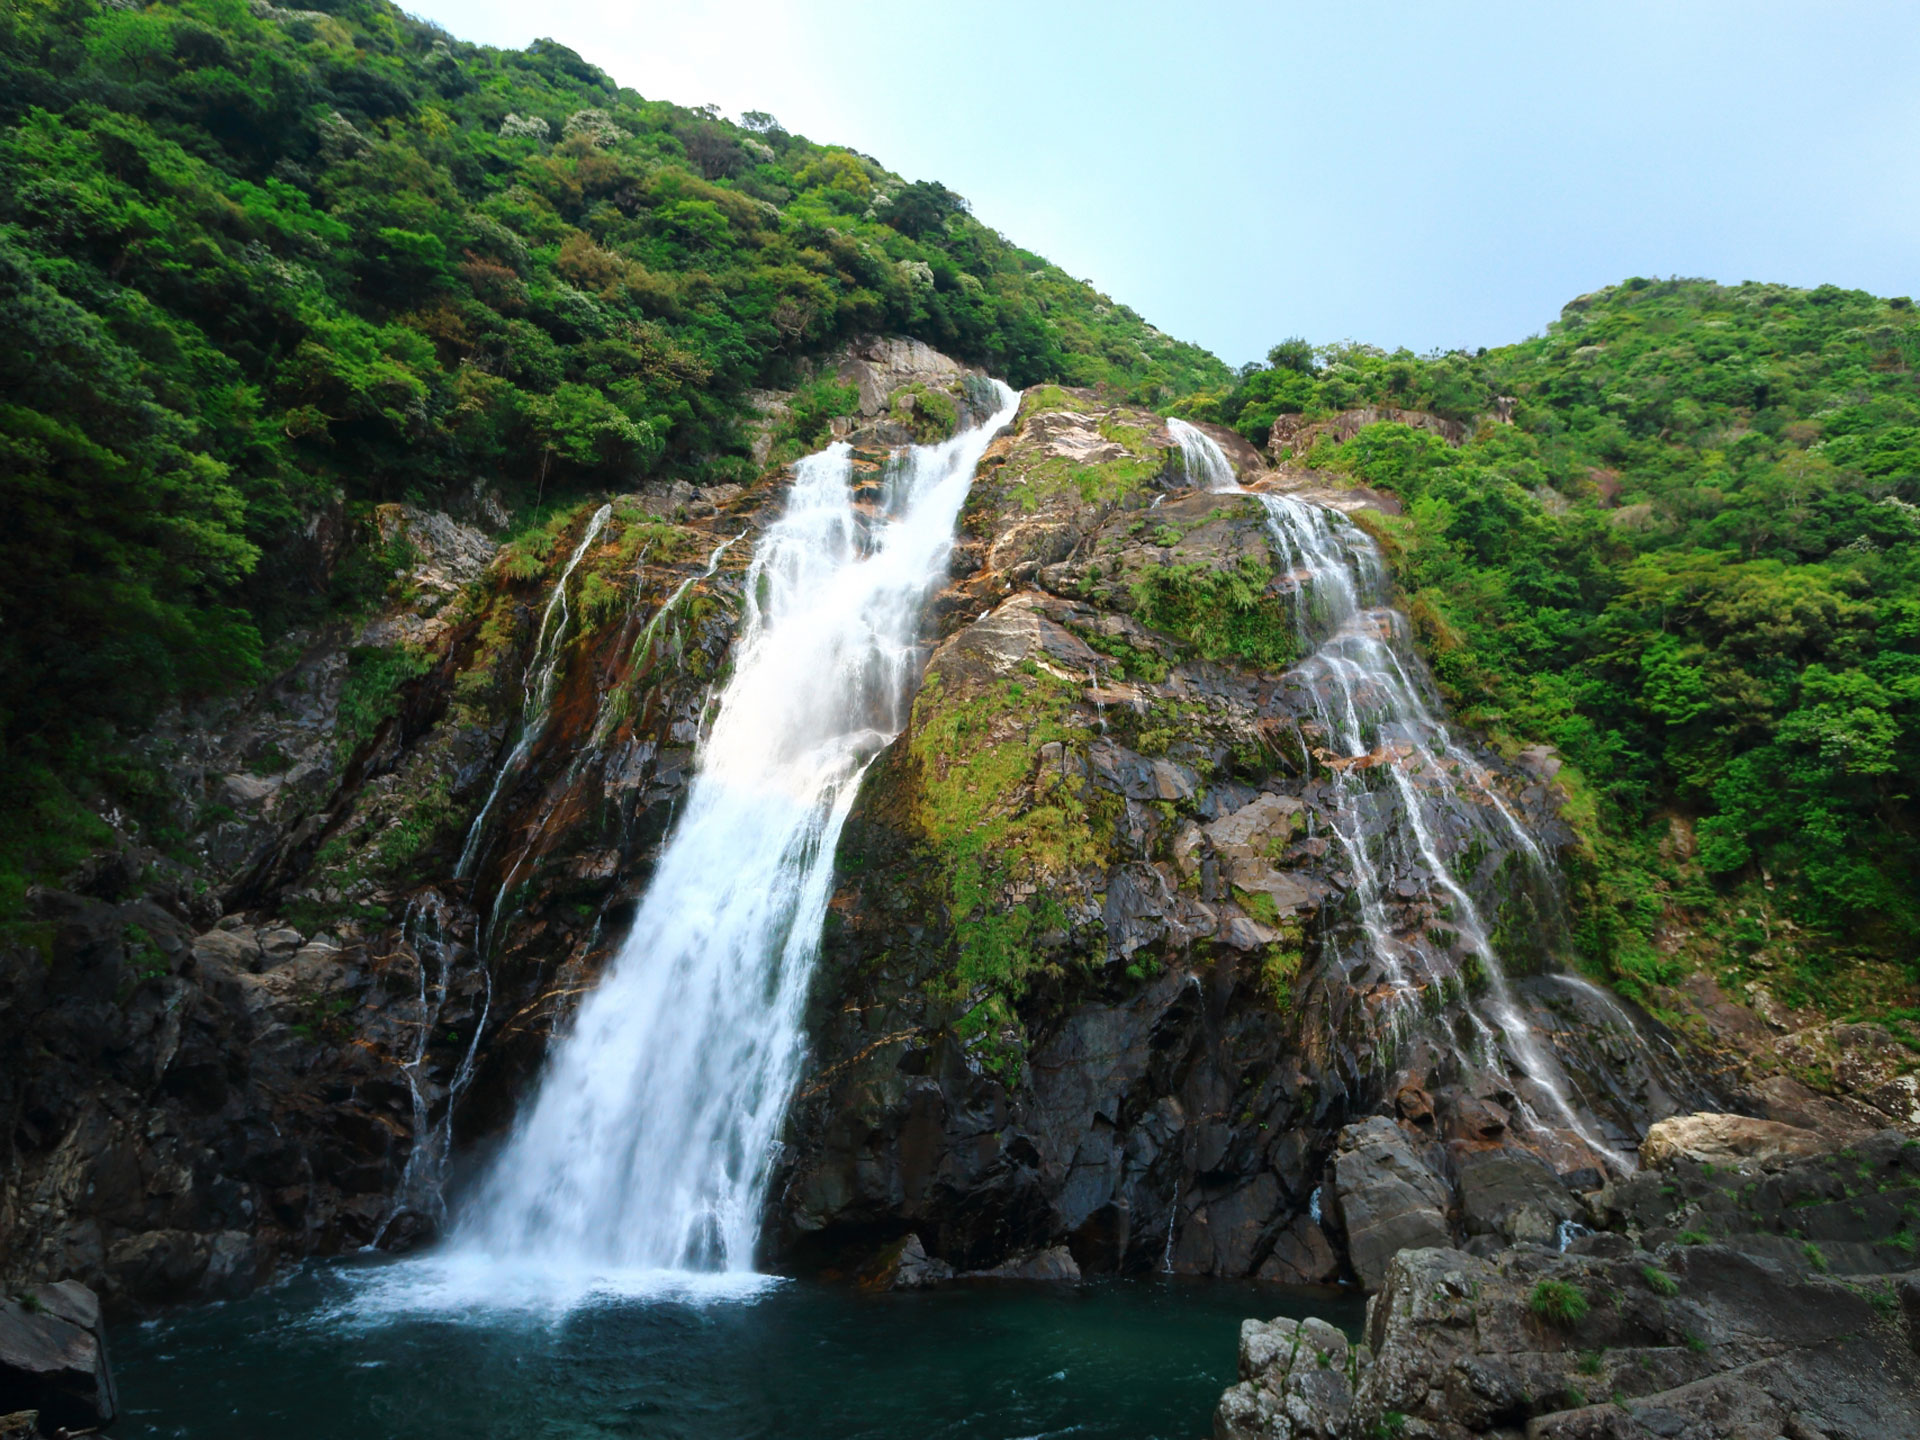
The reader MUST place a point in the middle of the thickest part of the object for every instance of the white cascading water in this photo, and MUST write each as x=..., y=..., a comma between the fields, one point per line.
x=648, y=1143
x=1372, y=714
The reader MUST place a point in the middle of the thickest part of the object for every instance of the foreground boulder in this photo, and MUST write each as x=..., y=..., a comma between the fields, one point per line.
x=1750, y=1300
x=1296, y=1383
x=53, y=1358
x=1695, y=1343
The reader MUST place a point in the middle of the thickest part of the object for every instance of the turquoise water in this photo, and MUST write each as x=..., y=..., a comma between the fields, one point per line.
x=1126, y=1359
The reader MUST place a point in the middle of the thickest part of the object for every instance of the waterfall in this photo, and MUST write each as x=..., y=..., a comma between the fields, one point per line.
x=647, y=1145
x=537, y=691
x=1375, y=714
x=1206, y=464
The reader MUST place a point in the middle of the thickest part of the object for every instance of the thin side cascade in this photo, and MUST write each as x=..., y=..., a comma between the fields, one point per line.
x=603, y=723
x=1373, y=715
x=537, y=687
x=648, y=1144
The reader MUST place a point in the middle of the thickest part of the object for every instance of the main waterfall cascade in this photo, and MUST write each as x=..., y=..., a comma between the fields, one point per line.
x=648, y=1144
x=1371, y=702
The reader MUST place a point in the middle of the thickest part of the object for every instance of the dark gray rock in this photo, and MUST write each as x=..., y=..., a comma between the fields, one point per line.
x=1055, y=1263
x=1386, y=1199
x=53, y=1357
x=1513, y=1194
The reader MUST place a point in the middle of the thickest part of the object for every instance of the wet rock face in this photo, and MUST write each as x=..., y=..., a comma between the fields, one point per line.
x=1092, y=976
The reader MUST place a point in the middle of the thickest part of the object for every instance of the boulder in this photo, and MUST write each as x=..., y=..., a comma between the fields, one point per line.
x=905, y=1265
x=53, y=1357
x=1296, y=1383
x=1513, y=1194
x=1724, y=1140
x=1387, y=1199
x=1302, y=1255
x=1055, y=1263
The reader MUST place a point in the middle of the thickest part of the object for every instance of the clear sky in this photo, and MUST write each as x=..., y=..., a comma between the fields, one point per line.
x=1424, y=174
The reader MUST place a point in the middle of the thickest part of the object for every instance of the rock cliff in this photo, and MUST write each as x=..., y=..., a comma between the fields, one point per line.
x=1098, y=992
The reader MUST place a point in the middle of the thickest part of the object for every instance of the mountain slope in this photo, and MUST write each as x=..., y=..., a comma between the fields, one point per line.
x=1691, y=561
x=254, y=261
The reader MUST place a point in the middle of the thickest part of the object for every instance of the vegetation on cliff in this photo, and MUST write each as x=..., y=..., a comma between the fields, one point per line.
x=256, y=263
x=1692, y=563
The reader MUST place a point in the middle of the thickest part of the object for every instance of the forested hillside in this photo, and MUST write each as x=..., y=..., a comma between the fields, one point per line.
x=255, y=262
x=1690, y=562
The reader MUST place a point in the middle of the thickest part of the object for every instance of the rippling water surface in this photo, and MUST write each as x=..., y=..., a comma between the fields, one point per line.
x=794, y=1360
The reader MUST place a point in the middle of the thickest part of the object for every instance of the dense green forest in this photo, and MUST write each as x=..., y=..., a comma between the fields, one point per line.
x=258, y=261
x=1692, y=563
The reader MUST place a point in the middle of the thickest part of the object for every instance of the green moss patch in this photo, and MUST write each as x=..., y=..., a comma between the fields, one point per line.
x=1005, y=830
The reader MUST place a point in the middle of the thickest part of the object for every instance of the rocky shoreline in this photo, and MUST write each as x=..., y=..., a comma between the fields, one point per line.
x=1752, y=1282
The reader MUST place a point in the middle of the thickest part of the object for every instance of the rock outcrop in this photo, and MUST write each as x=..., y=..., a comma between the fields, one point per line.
x=1093, y=976
x=53, y=1361
x=1790, y=1306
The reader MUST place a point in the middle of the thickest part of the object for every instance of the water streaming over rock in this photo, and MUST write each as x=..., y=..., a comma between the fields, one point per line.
x=647, y=1145
x=538, y=685
x=1400, y=782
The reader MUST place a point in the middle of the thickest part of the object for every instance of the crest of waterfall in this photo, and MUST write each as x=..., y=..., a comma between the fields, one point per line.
x=1398, y=782
x=537, y=687
x=1205, y=462
x=648, y=1143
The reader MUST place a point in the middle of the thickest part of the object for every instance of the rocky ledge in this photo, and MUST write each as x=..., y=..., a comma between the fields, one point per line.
x=1744, y=1288
x=54, y=1376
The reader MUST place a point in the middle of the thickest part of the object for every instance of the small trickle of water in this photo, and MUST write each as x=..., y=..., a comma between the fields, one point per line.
x=648, y=1143
x=603, y=726
x=537, y=691
x=422, y=1182
x=1099, y=705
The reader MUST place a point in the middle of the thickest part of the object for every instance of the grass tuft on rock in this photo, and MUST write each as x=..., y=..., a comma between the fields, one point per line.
x=1558, y=1302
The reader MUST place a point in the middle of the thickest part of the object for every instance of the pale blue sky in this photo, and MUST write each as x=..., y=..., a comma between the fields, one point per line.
x=1401, y=173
